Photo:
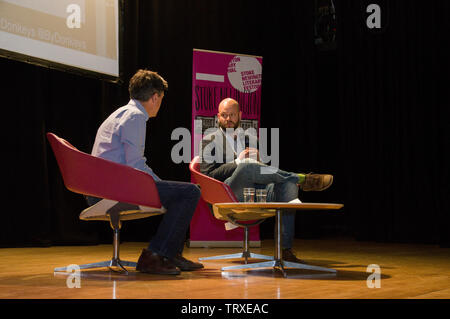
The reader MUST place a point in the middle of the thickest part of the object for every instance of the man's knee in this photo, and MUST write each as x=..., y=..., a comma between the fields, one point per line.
x=247, y=167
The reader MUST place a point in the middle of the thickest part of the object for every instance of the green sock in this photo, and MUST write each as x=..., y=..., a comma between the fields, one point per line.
x=301, y=178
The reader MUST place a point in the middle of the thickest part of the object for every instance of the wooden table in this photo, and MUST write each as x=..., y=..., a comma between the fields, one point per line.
x=236, y=209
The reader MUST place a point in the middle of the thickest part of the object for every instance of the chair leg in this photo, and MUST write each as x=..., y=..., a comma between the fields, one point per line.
x=238, y=255
x=245, y=254
x=115, y=261
x=100, y=264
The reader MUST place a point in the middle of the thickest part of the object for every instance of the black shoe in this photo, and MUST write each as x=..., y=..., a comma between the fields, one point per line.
x=288, y=255
x=153, y=263
x=184, y=264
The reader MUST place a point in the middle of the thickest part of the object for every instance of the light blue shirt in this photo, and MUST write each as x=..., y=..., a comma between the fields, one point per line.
x=121, y=137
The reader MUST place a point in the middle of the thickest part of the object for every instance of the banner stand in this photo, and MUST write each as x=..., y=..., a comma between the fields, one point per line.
x=216, y=76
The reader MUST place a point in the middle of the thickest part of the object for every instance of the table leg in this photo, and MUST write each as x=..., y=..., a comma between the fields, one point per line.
x=278, y=235
x=279, y=262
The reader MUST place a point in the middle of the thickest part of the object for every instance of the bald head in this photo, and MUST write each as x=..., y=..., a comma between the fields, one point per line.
x=228, y=103
x=229, y=115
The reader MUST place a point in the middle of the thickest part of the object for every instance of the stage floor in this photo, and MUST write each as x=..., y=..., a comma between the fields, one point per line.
x=406, y=271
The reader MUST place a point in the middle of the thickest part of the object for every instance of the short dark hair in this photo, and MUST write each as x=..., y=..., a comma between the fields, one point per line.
x=145, y=83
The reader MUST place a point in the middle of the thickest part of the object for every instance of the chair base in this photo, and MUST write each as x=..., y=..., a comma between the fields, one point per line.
x=281, y=265
x=244, y=254
x=115, y=262
x=114, y=215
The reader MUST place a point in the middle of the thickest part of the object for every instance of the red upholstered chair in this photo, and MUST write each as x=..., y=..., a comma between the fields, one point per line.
x=214, y=191
x=127, y=193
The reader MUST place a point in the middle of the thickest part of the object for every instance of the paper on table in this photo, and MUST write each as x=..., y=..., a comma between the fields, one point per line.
x=230, y=226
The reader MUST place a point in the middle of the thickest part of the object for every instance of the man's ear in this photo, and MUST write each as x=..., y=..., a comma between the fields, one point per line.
x=149, y=99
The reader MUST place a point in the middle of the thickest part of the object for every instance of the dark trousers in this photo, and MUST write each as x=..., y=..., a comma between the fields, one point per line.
x=180, y=199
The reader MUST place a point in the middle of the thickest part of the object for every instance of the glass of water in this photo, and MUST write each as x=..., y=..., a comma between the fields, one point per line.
x=261, y=195
x=249, y=195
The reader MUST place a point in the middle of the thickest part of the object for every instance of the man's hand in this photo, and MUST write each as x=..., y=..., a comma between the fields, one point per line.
x=249, y=152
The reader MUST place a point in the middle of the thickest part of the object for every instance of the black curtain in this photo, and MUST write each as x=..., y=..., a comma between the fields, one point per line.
x=370, y=112
x=395, y=136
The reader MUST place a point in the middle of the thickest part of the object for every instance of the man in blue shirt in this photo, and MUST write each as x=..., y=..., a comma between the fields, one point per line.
x=121, y=138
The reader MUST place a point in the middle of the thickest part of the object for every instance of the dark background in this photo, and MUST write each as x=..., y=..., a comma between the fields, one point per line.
x=372, y=112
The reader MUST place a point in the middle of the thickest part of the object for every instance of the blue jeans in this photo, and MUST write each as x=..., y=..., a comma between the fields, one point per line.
x=281, y=186
x=180, y=199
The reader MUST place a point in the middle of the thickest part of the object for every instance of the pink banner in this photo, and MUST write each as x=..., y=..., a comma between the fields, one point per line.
x=215, y=76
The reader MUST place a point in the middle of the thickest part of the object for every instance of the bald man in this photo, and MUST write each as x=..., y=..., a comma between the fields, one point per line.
x=231, y=156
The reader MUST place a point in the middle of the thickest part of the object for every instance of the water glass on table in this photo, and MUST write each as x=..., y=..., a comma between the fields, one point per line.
x=249, y=195
x=261, y=195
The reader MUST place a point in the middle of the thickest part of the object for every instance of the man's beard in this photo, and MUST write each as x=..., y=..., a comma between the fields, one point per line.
x=236, y=125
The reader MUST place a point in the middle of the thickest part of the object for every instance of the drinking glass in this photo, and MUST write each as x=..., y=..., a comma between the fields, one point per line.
x=249, y=195
x=261, y=195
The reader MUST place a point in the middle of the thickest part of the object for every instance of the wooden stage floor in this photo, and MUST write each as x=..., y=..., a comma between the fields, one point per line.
x=406, y=271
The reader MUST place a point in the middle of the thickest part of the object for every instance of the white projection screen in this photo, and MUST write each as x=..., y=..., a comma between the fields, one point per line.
x=82, y=35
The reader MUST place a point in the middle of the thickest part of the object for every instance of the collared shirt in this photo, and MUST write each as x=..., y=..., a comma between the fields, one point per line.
x=121, y=137
x=236, y=139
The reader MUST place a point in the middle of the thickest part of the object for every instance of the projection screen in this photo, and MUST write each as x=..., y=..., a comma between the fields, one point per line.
x=79, y=34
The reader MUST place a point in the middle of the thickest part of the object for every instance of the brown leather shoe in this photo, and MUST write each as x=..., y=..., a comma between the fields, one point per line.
x=184, y=264
x=316, y=182
x=153, y=263
x=288, y=255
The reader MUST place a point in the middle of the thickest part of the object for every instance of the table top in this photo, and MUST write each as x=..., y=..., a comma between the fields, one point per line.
x=279, y=205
